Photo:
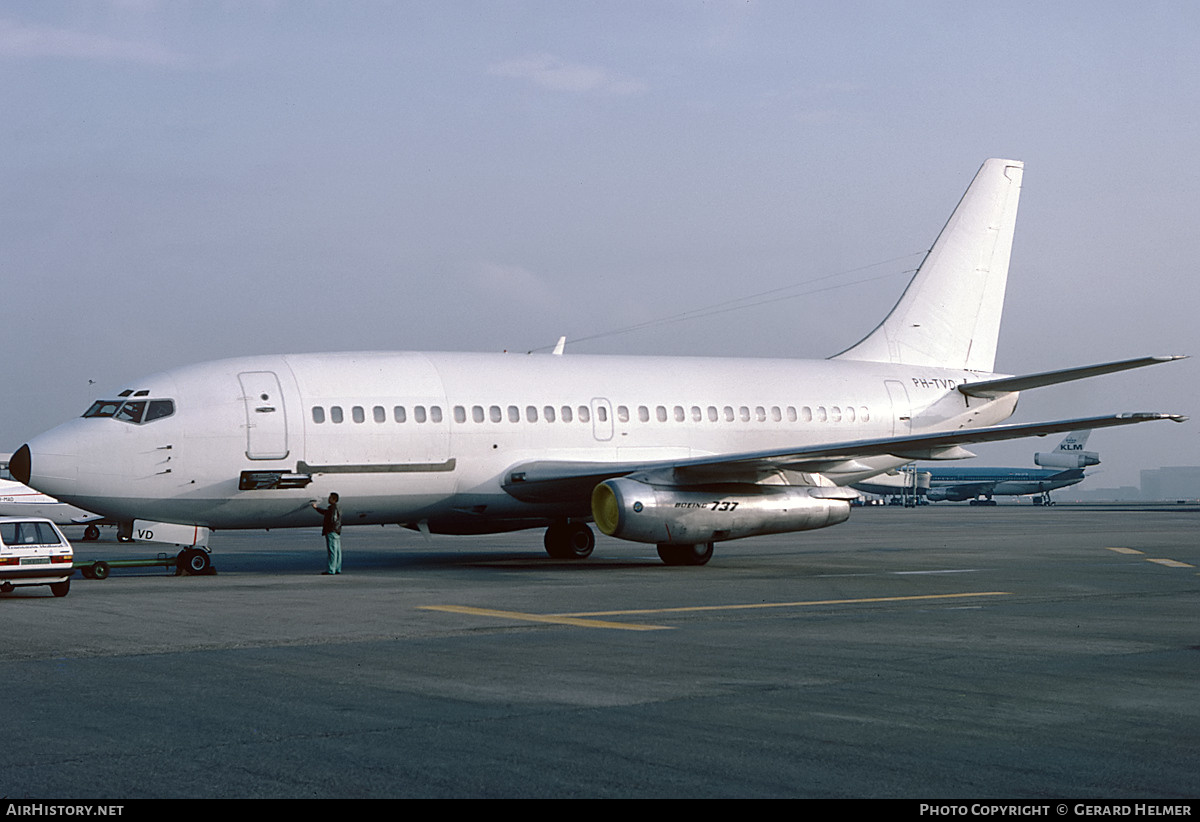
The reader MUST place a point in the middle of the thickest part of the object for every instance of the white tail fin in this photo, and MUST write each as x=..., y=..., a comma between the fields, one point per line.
x=949, y=316
x=1069, y=454
x=1075, y=441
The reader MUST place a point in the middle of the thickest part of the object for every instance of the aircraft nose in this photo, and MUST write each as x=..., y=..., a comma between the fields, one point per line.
x=19, y=465
x=48, y=463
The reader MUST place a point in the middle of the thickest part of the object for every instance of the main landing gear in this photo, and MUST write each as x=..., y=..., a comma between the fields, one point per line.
x=575, y=540
x=569, y=540
x=686, y=554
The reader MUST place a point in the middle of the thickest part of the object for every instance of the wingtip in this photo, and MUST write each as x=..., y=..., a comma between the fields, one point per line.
x=1145, y=416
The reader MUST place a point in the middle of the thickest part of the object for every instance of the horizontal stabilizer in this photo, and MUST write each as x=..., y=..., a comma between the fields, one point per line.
x=1006, y=385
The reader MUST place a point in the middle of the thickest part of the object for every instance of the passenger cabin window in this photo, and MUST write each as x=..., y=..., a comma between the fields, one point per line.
x=318, y=414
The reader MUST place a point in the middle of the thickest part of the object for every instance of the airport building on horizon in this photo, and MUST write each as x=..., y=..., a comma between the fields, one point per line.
x=1171, y=482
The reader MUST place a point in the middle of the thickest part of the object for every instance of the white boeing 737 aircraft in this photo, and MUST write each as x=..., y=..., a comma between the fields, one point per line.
x=679, y=452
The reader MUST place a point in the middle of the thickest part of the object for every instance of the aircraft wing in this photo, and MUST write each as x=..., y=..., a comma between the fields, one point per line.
x=560, y=481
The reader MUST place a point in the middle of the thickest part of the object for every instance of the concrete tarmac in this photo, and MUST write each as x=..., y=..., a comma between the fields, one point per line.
x=940, y=652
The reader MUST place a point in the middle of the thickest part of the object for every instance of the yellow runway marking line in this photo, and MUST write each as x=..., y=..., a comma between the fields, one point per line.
x=557, y=619
x=802, y=604
x=1171, y=563
x=587, y=619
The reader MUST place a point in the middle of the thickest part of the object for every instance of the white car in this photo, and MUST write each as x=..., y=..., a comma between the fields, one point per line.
x=34, y=552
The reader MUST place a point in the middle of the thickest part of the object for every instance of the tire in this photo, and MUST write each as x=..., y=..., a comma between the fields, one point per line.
x=100, y=570
x=698, y=554
x=60, y=589
x=91, y=533
x=569, y=540
x=195, y=561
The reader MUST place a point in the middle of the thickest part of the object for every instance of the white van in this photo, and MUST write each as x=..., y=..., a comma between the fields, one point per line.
x=34, y=552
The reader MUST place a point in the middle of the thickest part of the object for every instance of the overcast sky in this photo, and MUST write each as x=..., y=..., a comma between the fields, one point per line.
x=186, y=181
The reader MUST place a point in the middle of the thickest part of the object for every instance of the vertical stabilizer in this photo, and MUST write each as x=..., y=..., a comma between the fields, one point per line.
x=949, y=316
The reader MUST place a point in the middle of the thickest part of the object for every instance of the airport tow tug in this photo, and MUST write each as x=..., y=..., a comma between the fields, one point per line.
x=190, y=562
x=34, y=552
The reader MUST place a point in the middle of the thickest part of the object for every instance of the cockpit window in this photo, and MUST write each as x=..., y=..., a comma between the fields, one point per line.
x=132, y=411
x=159, y=409
x=103, y=408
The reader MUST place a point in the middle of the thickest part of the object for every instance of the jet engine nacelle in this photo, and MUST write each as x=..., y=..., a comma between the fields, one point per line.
x=691, y=515
x=1067, y=459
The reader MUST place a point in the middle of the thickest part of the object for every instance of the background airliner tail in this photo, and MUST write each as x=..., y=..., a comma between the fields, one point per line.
x=1069, y=454
x=949, y=316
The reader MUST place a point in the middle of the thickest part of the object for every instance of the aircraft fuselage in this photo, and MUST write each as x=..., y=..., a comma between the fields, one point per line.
x=415, y=438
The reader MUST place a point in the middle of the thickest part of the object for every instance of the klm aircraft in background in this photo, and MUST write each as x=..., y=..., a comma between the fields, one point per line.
x=1060, y=468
